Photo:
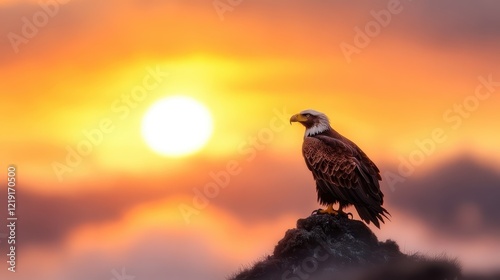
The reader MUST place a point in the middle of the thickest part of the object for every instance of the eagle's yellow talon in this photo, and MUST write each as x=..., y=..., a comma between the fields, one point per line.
x=329, y=210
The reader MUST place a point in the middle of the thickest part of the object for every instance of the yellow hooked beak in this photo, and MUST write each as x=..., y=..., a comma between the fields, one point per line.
x=297, y=118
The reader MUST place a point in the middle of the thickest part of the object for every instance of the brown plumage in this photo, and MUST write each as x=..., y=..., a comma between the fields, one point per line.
x=343, y=172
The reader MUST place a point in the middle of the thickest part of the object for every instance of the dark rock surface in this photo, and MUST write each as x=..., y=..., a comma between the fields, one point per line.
x=326, y=247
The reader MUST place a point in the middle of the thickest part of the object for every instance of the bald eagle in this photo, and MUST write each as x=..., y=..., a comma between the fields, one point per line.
x=343, y=172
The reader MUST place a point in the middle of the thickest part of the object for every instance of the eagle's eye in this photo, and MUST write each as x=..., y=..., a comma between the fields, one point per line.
x=307, y=115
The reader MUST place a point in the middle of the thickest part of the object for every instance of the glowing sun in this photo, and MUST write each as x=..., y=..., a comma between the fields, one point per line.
x=177, y=126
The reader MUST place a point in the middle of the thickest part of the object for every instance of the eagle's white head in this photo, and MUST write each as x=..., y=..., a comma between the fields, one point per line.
x=314, y=121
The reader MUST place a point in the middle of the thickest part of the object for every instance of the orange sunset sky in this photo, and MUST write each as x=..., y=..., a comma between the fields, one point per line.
x=413, y=83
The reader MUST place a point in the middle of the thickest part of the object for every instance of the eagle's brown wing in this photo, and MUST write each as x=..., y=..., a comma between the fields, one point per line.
x=341, y=169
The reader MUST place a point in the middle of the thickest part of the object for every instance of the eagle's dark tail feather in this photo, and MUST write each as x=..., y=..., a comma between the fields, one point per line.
x=373, y=215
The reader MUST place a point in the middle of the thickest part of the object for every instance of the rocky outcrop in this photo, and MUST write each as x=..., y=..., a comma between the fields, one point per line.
x=326, y=247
